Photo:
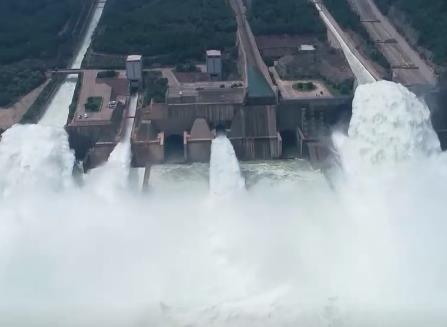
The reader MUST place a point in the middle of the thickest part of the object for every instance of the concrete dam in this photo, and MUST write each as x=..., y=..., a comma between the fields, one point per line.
x=261, y=114
x=260, y=123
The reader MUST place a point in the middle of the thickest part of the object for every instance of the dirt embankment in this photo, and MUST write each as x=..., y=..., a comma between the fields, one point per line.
x=14, y=113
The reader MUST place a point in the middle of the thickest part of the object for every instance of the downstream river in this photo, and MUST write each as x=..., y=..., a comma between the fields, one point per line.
x=228, y=243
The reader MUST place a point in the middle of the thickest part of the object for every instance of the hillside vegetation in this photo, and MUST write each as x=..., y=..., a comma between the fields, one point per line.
x=33, y=35
x=429, y=17
x=285, y=17
x=173, y=31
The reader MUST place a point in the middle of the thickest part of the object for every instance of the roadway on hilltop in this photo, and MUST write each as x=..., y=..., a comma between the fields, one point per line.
x=408, y=66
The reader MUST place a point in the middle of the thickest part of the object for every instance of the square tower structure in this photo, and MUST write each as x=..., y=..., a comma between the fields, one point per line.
x=214, y=64
x=134, y=70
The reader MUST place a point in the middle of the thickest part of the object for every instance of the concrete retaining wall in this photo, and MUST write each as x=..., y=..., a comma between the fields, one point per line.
x=98, y=155
x=289, y=112
x=198, y=142
x=148, y=152
x=180, y=118
x=254, y=135
x=257, y=148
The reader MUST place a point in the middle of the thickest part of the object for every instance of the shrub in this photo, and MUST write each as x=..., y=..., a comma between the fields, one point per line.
x=93, y=104
x=188, y=67
x=304, y=86
x=107, y=74
x=155, y=87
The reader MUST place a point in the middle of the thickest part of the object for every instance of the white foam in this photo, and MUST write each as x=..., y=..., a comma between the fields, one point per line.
x=389, y=125
x=287, y=252
x=225, y=173
x=34, y=157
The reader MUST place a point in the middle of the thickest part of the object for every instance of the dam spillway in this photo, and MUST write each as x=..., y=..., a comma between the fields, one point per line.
x=57, y=111
x=281, y=248
x=181, y=127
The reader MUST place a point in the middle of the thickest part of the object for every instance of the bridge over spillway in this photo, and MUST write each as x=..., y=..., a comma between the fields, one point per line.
x=67, y=71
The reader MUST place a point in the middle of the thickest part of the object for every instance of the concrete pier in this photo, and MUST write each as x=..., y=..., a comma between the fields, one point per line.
x=198, y=142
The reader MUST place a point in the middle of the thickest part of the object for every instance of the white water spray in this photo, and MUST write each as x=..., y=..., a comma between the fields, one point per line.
x=225, y=173
x=288, y=252
x=389, y=125
x=32, y=157
x=38, y=156
x=114, y=175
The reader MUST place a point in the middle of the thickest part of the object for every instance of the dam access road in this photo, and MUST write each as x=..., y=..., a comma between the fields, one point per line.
x=407, y=65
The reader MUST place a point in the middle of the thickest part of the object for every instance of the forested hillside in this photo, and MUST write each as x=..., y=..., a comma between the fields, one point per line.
x=33, y=35
x=429, y=17
x=174, y=30
x=285, y=17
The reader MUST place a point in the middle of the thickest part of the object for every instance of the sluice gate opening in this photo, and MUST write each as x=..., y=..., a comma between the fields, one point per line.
x=289, y=144
x=174, y=149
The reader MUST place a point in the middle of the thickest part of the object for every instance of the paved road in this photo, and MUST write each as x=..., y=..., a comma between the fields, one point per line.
x=172, y=80
x=398, y=53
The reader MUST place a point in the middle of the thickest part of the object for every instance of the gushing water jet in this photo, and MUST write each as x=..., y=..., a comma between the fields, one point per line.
x=225, y=173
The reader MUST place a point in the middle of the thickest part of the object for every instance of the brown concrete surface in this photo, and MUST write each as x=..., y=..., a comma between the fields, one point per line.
x=207, y=94
x=324, y=63
x=108, y=89
x=13, y=114
x=147, y=142
x=399, y=53
x=198, y=142
x=288, y=92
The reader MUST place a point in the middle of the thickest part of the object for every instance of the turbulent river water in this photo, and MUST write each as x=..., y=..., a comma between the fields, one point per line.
x=260, y=244
x=199, y=249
